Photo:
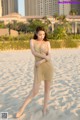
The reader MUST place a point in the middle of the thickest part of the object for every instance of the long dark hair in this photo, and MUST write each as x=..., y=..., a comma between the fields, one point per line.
x=40, y=28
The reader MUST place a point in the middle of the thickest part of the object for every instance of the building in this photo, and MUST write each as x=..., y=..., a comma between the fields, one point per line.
x=30, y=7
x=13, y=17
x=64, y=8
x=55, y=6
x=76, y=7
x=0, y=8
x=9, y=6
x=49, y=7
x=41, y=7
x=75, y=22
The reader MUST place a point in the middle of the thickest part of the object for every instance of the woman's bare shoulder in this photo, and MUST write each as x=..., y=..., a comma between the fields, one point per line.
x=32, y=42
x=32, y=39
x=48, y=42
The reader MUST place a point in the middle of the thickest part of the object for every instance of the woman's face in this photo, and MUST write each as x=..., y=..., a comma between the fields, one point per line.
x=41, y=35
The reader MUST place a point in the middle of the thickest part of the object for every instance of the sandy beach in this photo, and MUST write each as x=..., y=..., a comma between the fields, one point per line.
x=16, y=81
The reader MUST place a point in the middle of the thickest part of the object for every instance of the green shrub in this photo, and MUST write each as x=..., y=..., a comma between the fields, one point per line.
x=68, y=42
x=23, y=42
x=75, y=36
x=59, y=33
x=22, y=37
x=17, y=45
x=55, y=44
x=50, y=36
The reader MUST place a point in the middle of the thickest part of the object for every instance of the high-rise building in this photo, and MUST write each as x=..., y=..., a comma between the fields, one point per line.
x=30, y=7
x=0, y=8
x=40, y=7
x=9, y=6
x=76, y=7
x=49, y=7
x=64, y=8
x=55, y=6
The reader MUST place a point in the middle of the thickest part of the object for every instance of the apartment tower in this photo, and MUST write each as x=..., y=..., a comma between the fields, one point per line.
x=64, y=8
x=49, y=7
x=55, y=6
x=40, y=7
x=76, y=7
x=9, y=6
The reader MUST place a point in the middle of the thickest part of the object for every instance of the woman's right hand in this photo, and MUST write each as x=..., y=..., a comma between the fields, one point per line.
x=47, y=58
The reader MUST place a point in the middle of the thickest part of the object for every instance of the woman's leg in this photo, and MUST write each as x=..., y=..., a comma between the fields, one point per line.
x=32, y=94
x=46, y=95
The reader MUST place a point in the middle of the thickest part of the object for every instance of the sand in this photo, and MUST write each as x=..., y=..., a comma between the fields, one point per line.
x=16, y=81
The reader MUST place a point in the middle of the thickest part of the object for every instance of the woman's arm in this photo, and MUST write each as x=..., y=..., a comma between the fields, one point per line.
x=39, y=62
x=34, y=52
x=48, y=57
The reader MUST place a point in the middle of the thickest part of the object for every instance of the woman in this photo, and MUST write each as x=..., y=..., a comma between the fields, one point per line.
x=43, y=68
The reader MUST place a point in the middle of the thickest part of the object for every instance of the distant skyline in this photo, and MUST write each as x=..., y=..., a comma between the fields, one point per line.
x=21, y=7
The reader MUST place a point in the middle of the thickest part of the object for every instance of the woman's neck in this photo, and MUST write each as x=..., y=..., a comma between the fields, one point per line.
x=40, y=40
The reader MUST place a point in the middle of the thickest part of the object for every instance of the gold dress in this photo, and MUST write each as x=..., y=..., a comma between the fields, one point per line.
x=45, y=70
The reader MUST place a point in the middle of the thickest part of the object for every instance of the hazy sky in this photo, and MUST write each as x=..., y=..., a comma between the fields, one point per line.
x=21, y=7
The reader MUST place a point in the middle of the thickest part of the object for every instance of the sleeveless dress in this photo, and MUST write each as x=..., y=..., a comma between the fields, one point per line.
x=45, y=70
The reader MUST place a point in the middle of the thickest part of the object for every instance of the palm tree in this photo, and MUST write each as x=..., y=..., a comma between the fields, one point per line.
x=56, y=16
x=62, y=18
x=73, y=12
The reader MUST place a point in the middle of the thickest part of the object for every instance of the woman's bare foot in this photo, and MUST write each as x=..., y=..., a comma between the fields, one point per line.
x=45, y=112
x=19, y=113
